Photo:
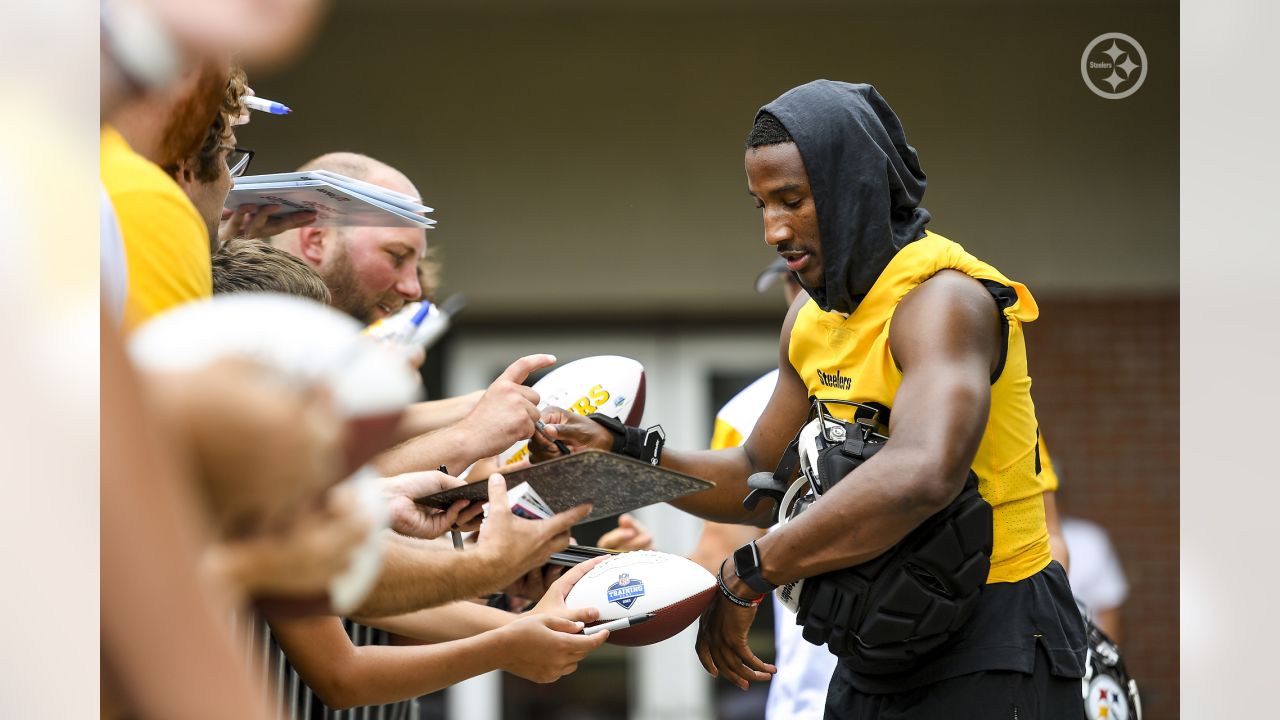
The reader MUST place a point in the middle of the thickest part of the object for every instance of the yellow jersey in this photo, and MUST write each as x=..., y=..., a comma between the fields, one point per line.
x=166, y=243
x=848, y=358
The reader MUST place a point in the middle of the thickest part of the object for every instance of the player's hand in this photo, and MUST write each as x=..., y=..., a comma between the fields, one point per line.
x=629, y=535
x=512, y=545
x=507, y=411
x=410, y=518
x=255, y=221
x=576, y=431
x=722, y=643
x=545, y=648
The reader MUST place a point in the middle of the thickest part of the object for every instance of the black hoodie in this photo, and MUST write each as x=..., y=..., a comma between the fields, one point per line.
x=866, y=182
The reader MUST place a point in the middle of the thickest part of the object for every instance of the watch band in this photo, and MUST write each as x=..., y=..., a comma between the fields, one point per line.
x=746, y=563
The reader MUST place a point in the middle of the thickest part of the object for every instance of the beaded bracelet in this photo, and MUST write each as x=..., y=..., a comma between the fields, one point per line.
x=724, y=590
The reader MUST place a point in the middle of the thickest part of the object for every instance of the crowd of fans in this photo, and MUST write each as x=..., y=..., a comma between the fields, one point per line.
x=229, y=505
x=227, y=508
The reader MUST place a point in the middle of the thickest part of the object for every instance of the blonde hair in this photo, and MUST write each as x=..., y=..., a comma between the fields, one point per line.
x=429, y=267
x=252, y=265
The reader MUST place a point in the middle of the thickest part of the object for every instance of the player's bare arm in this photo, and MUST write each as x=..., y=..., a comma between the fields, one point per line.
x=729, y=468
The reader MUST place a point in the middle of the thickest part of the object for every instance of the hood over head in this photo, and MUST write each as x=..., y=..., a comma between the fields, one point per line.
x=866, y=182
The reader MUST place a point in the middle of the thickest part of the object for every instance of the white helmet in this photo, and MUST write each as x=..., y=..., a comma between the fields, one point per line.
x=817, y=435
x=809, y=441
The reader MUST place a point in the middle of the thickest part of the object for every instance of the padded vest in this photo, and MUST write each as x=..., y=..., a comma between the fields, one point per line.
x=848, y=358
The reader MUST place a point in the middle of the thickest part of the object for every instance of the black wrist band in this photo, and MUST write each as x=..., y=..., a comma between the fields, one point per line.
x=724, y=590
x=641, y=444
x=746, y=565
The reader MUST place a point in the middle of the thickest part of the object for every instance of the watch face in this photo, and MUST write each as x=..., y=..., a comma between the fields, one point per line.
x=744, y=560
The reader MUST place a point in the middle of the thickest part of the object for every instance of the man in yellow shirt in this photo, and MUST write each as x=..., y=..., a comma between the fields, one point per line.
x=166, y=242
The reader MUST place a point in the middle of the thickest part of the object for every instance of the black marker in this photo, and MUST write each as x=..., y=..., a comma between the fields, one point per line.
x=541, y=428
x=454, y=532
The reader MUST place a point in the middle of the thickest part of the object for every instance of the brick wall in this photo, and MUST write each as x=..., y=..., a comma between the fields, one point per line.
x=1105, y=376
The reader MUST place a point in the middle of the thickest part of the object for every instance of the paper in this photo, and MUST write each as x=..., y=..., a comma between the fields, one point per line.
x=338, y=200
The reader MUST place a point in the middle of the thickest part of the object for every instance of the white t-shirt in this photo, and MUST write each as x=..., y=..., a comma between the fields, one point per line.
x=799, y=689
x=1097, y=579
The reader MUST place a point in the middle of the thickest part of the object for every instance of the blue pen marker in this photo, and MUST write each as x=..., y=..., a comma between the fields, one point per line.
x=421, y=315
x=407, y=332
x=253, y=102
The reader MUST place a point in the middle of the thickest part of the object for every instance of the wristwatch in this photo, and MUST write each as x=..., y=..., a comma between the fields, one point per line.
x=746, y=563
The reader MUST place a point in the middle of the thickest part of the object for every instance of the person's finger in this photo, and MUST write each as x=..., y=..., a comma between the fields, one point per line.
x=583, y=615
x=420, y=483
x=704, y=656
x=551, y=573
x=260, y=220
x=519, y=370
x=291, y=221
x=762, y=670
x=559, y=624
x=561, y=522
x=622, y=534
x=541, y=445
x=450, y=515
x=241, y=221
x=552, y=415
x=498, y=498
x=234, y=223
x=566, y=581
x=618, y=539
x=555, y=543
x=729, y=670
x=470, y=515
x=517, y=465
x=590, y=642
x=746, y=667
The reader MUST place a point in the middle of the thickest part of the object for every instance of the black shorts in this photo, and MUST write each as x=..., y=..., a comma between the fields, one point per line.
x=985, y=695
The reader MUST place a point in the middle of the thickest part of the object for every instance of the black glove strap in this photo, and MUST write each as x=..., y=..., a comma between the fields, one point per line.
x=634, y=442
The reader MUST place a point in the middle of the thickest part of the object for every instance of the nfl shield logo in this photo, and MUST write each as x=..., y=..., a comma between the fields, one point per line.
x=626, y=591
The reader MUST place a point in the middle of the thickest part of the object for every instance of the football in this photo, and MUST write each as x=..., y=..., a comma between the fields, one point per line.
x=608, y=384
x=675, y=589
